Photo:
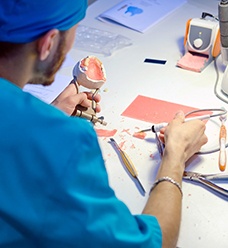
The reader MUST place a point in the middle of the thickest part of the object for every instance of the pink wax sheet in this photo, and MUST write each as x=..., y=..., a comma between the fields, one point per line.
x=193, y=62
x=155, y=111
x=105, y=133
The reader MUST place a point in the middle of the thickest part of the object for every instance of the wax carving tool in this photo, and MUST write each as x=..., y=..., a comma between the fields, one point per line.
x=128, y=163
x=207, y=179
x=222, y=143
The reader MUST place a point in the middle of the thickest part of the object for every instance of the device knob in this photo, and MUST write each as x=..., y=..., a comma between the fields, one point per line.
x=198, y=43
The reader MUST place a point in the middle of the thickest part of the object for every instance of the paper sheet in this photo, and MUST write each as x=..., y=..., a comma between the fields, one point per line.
x=140, y=15
x=49, y=93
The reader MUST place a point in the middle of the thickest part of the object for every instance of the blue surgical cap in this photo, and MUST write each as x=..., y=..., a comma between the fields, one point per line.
x=23, y=21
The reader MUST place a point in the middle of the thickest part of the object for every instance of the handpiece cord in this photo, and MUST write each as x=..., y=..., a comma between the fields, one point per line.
x=216, y=83
x=222, y=111
x=219, y=97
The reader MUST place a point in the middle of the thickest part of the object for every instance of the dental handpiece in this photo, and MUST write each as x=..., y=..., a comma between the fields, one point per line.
x=157, y=127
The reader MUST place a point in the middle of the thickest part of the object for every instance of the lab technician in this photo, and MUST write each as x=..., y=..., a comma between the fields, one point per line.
x=54, y=189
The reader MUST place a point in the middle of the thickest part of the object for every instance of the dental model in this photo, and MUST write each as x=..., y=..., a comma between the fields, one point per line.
x=90, y=73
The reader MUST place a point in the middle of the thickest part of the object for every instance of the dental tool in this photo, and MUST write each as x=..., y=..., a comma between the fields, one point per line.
x=207, y=180
x=157, y=127
x=91, y=117
x=220, y=112
x=222, y=144
x=128, y=163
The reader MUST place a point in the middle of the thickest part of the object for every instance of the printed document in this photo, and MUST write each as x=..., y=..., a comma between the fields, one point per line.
x=140, y=15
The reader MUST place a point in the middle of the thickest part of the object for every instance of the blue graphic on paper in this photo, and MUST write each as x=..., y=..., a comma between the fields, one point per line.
x=133, y=10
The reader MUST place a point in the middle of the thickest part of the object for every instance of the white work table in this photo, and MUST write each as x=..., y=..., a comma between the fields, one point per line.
x=204, y=214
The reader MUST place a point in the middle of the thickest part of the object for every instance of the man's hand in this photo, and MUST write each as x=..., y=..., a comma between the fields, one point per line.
x=182, y=140
x=184, y=137
x=68, y=100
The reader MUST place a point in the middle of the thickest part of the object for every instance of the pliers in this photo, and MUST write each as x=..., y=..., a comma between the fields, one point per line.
x=206, y=179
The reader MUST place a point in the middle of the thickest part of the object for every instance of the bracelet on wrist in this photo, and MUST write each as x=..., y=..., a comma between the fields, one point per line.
x=167, y=179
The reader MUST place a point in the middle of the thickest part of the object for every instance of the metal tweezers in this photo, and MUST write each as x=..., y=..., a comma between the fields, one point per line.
x=160, y=145
x=206, y=180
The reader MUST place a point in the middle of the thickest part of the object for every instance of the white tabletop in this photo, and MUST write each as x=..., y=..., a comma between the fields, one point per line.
x=204, y=214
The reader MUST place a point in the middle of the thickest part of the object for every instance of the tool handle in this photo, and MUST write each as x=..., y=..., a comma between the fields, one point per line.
x=90, y=117
x=218, y=176
x=213, y=186
x=128, y=163
x=222, y=160
x=222, y=152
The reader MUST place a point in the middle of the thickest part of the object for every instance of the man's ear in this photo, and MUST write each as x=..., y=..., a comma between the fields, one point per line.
x=46, y=43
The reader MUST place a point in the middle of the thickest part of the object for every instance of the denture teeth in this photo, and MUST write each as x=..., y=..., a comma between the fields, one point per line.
x=82, y=76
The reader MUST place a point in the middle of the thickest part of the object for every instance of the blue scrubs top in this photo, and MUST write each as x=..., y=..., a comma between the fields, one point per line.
x=54, y=189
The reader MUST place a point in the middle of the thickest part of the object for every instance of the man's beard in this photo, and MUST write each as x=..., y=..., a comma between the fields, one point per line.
x=45, y=72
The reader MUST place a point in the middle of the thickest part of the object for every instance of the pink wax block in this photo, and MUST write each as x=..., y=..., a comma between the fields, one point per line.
x=193, y=62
